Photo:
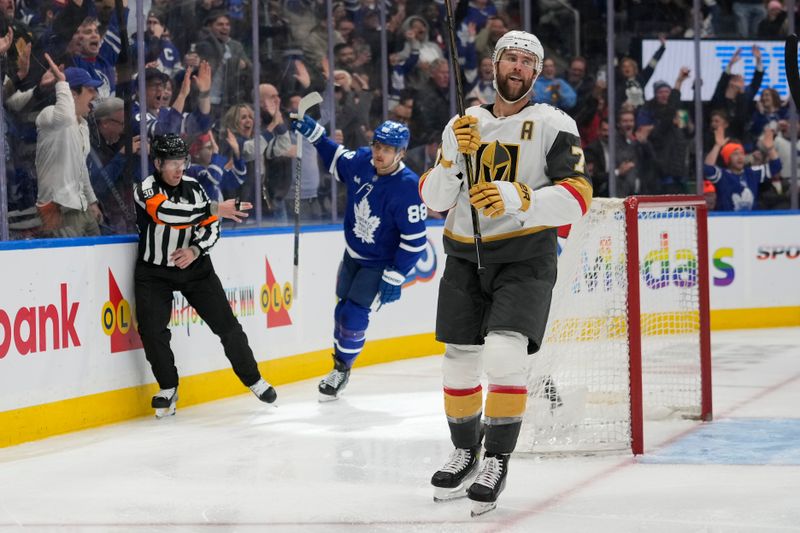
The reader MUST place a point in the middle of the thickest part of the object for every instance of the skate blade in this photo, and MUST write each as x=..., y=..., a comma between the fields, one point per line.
x=481, y=508
x=324, y=398
x=164, y=412
x=441, y=494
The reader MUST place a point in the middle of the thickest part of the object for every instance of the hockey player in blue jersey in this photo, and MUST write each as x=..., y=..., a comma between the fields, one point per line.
x=384, y=229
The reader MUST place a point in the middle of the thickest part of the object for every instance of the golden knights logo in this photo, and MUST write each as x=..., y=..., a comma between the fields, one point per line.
x=497, y=161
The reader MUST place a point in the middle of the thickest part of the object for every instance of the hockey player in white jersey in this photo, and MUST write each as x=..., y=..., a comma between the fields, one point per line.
x=529, y=180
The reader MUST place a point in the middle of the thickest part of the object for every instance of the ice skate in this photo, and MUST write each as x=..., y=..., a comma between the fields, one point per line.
x=451, y=481
x=264, y=391
x=334, y=383
x=164, y=402
x=489, y=484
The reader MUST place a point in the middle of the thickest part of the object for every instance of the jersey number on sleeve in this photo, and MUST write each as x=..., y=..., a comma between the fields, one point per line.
x=417, y=213
x=580, y=166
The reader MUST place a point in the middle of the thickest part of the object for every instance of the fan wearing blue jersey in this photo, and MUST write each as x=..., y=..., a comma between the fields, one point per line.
x=737, y=184
x=384, y=229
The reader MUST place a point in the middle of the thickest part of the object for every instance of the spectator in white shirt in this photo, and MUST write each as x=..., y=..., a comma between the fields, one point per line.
x=66, y=202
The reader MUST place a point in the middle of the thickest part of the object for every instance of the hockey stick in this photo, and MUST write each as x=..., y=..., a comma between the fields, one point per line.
x=792, y=74
x=124, y=73
x=308, y=101
x=476, y=226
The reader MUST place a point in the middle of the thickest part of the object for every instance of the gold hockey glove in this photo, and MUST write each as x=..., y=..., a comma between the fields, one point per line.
x=497, y=198
x=467, y=134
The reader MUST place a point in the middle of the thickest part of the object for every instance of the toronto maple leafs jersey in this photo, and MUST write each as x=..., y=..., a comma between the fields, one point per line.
x=538, y=146
x=739, y=192
x=384, y=221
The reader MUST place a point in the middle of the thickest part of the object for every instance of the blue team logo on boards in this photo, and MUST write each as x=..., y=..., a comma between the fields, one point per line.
x=425, y=268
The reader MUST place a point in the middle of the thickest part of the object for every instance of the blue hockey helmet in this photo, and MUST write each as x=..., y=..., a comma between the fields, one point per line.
x=392, y=133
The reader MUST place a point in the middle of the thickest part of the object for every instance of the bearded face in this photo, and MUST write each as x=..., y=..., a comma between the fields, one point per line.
x=516, y=71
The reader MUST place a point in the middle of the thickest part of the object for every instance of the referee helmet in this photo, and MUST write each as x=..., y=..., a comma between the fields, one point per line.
x=169, y=146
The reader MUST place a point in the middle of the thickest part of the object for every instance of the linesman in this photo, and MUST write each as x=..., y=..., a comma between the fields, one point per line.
x=178, y=225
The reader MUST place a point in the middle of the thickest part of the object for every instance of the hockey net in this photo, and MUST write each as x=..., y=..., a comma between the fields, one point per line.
x=628, y=332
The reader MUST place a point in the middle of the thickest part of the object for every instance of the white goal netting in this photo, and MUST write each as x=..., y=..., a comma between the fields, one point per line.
x=579, y=385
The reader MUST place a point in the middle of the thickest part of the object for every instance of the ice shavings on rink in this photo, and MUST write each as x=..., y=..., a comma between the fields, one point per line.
x=738, y=441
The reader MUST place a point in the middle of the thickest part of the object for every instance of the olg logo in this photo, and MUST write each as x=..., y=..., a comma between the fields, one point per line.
x=276, y=299
x=116, y=318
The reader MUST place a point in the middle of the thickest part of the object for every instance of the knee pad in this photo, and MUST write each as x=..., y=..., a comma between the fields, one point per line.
x=462, y=366
x=352, y=316
x=463, y=395
x=350, y=330
x=505, y=358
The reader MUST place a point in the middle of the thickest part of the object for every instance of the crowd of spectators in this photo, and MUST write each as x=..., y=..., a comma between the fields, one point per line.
x=72, y=109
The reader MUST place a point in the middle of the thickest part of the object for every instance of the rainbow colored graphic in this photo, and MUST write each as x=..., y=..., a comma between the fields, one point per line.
x=657, y=272
x=726, y=269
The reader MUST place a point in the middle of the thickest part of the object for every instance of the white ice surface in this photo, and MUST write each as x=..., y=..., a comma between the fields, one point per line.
x=364, y=463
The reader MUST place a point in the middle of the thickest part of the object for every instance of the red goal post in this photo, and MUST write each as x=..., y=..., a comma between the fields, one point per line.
x=628, y=337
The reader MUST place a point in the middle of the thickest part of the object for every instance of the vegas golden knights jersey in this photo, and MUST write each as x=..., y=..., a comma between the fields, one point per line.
x=540, y=147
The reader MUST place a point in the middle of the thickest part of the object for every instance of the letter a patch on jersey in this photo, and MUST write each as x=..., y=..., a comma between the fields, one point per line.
x=366, y=222
x=497, y=161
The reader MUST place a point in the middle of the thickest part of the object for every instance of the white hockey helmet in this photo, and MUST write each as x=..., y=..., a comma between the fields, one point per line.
x=518, y=40
x=521, y=40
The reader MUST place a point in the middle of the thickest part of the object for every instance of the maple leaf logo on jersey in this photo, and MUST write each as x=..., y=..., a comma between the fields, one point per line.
x=366, y=223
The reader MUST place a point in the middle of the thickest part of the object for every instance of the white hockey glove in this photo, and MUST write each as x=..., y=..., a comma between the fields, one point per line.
x=391, y=283
x=498, y=198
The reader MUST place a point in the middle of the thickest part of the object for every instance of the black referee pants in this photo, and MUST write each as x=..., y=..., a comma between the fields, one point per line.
x=203, y=290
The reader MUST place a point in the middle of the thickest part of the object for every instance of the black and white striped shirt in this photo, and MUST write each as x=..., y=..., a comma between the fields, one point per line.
x=169, y=218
